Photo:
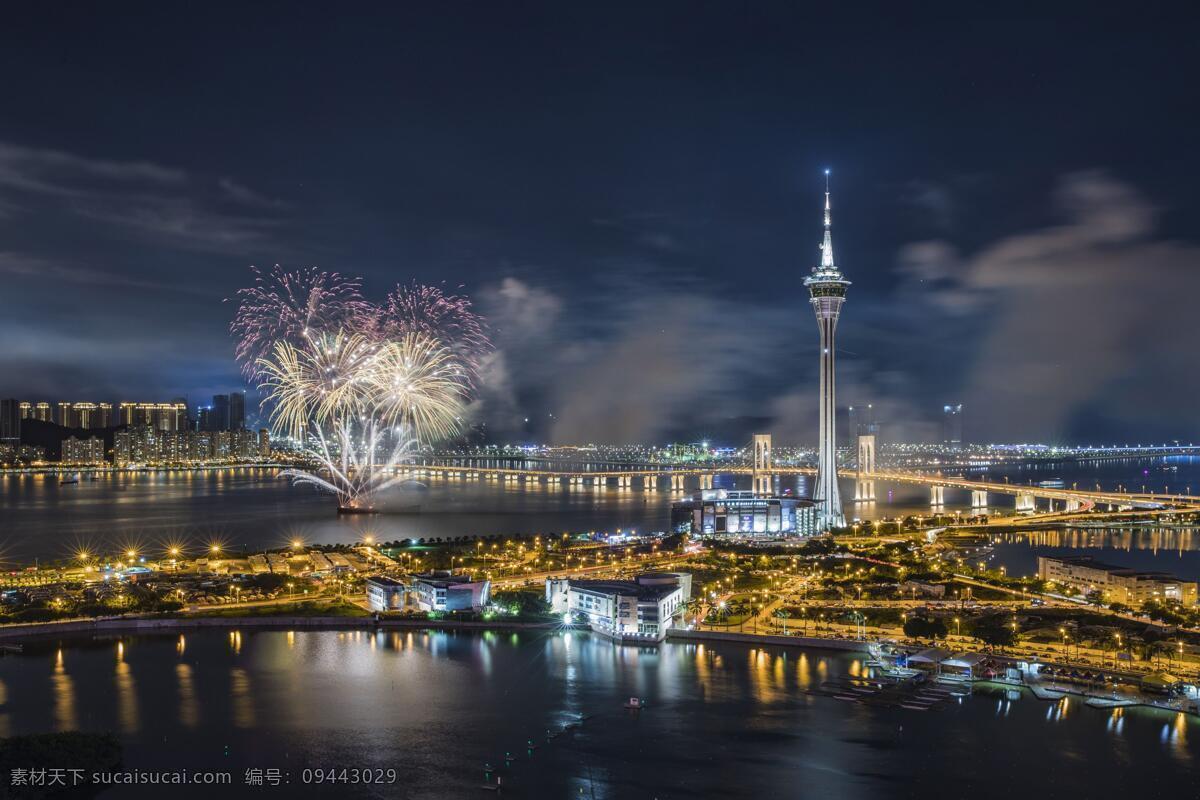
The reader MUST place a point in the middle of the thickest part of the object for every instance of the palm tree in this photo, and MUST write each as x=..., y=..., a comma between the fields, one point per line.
x=1154, y=650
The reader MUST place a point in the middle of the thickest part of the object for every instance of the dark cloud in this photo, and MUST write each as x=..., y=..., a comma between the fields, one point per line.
x=137, y=198
x=1089, y=317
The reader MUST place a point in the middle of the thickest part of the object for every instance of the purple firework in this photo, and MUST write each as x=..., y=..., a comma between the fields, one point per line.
x=286, y=306
x=448, y=318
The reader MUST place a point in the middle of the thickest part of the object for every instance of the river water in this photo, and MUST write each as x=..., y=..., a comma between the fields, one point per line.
x=253, y=509
x=723, y=720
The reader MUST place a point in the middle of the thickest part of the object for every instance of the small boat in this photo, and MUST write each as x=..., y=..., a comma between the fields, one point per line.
x=12, y=648
x=635, y=703
x=69, y=481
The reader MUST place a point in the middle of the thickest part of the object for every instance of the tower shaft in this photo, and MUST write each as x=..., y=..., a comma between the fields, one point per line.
x=827, y=494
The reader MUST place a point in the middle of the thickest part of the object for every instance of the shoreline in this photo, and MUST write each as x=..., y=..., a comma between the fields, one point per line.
x=85, y=628
x=684, y=635
x=97, y=469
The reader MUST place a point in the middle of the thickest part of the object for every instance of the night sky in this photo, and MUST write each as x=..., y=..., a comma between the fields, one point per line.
x=631, y=193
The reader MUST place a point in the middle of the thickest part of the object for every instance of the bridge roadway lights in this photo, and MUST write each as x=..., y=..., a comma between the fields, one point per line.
x=979, y=499
x=937, y=495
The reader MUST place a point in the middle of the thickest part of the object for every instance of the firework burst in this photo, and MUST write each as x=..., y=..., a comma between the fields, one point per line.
x=359, y=385
x=447, y=318
x=286, y=306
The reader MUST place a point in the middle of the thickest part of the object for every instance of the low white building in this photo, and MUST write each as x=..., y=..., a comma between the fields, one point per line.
x=444, y=591
x=642, y=608
x=385, y=594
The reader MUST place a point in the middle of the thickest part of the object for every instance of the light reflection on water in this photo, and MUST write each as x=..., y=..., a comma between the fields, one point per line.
x=64, y=696
x=400, y=698
x=1170, y=549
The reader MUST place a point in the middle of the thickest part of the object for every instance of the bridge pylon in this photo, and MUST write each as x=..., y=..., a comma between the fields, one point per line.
x=760, y=472
x=864, y=488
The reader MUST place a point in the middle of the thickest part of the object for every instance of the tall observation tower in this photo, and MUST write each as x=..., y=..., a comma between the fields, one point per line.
x=827, y=287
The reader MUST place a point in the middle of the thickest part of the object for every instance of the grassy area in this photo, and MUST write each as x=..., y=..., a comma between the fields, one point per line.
x=301, y=608
x=978, y=592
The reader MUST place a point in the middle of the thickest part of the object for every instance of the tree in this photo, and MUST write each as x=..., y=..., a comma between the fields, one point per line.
x=1154, y=650
x=995, y=633
x=925, y=628
x=523, y=603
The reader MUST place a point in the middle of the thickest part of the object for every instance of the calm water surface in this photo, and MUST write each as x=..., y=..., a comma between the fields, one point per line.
x=722, y=721
x=252, y=509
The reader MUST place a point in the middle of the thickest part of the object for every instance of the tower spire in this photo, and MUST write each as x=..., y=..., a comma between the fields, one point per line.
x=827, y=244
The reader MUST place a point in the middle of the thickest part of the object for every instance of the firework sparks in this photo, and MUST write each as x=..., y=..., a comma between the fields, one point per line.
x=448, y=318
x=360, y=385
x=290, y=306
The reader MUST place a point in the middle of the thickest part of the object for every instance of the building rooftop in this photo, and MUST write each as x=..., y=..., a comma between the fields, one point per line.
x=383, y=580
x=734, y=496
x=638, y=590
x=443, y=577
x=1112, y=569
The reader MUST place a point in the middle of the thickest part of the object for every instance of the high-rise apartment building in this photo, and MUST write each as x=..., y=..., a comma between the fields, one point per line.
x=219, y=413
x=237, y=411
x=81, y=415
x=952, y=425
x=10, y=421
x=83, y=451
x=159, y=416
